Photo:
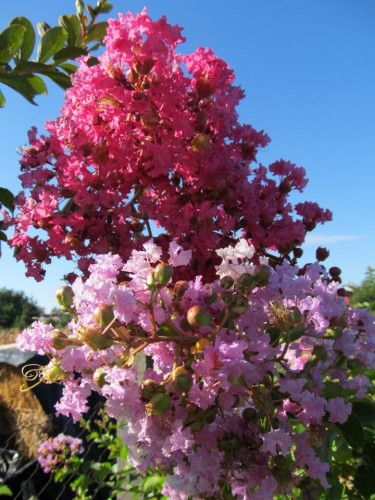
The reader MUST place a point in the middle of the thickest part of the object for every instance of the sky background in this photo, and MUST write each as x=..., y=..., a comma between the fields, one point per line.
x=308, y=70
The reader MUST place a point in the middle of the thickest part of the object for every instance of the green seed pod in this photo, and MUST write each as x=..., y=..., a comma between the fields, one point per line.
x=59, y=340
x=197, y=316
x=163, y=274
x=64, y=296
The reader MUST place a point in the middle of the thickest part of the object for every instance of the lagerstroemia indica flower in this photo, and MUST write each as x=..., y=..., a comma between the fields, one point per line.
x=253, y=363
x=227, y=403
x=150, y=134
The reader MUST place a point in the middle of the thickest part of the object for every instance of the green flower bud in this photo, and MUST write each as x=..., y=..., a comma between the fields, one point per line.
x=99, y=377
x=197, y=316
x=103, y=314
x=182, y=380
x=64, y=296
x=245, y=282
x=59, y=340
x=94, y=339
x=250, y=414
x=163, y=274
x=159, y=404
x=180, y=288
x=226, y=282
x=150, y=280
x=262, y=275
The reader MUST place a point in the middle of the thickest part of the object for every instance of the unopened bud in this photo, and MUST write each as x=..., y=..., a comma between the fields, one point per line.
x=94, y=339
x=180, y=288
x=200, y=346
x=64, y=296
x=103, y=314
x=163, y=274
x=159, y=404
x=182, y=380
x=321, y=254
x=334, y=272
x=262, y=275
x=226, y=282
x=59, y=340
x=99, y=377
x=245, y=282
x=197, y=316
x=250, y=414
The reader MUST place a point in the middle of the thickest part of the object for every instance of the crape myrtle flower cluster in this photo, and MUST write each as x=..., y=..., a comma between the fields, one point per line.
x=54, y=453
x=241, y=393
x=150, y=134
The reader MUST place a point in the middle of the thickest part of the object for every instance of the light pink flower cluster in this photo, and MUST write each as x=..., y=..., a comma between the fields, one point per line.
x=247, y=376
x=150, y=134
x=55, y=452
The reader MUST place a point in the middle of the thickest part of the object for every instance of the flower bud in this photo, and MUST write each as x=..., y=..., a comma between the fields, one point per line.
x=103, y=314
x=150, y=280
x=226, y=282
x=182, y=380
x=64, y=296
x=159, y=404
x=200, y=346
x=59, y=340
x=245, y=282
x=250, y=414
x=180, y=288
x=163, y=274
x=262, y=275
x=99, y=377
x=150, y=388
x=53, y=372
x=93, y=338
x=241, y=305
x=321, y=254
x=334, y=271
x=197, y=316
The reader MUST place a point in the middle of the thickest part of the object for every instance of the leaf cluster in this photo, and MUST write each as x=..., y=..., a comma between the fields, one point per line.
x=56, y=47
x=109, y=473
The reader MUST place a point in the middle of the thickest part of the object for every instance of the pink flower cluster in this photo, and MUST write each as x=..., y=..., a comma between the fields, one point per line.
x=250, y=373
x=55, y=452
x=150, y=134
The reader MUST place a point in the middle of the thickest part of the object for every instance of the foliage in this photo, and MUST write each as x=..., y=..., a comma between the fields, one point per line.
x=364, y=294
x=76, y=35
x=16, y=309
x=110, y=474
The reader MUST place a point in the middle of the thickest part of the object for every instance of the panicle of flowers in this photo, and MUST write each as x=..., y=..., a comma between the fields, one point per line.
x=247, y=376
x=54, y=453
x=150, y=134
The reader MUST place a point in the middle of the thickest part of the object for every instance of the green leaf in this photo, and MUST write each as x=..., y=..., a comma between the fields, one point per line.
x=72, y=26
x=365, y=413
x=42, y=28
x=28, y=67
x=352, y=432
x=37, y=84
x=96, y=32
x=3, y=236
x=51, y=42
x=2, y=100
x=20, y=85
x=362, y=481
x=70, y=68
x=152, y=482
x=6, y=491
x=7, y=198
x=68, y=53
x=28, y=42
x=11, y=41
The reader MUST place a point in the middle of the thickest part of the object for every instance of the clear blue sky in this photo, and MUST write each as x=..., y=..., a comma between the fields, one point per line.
x=308, y=69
